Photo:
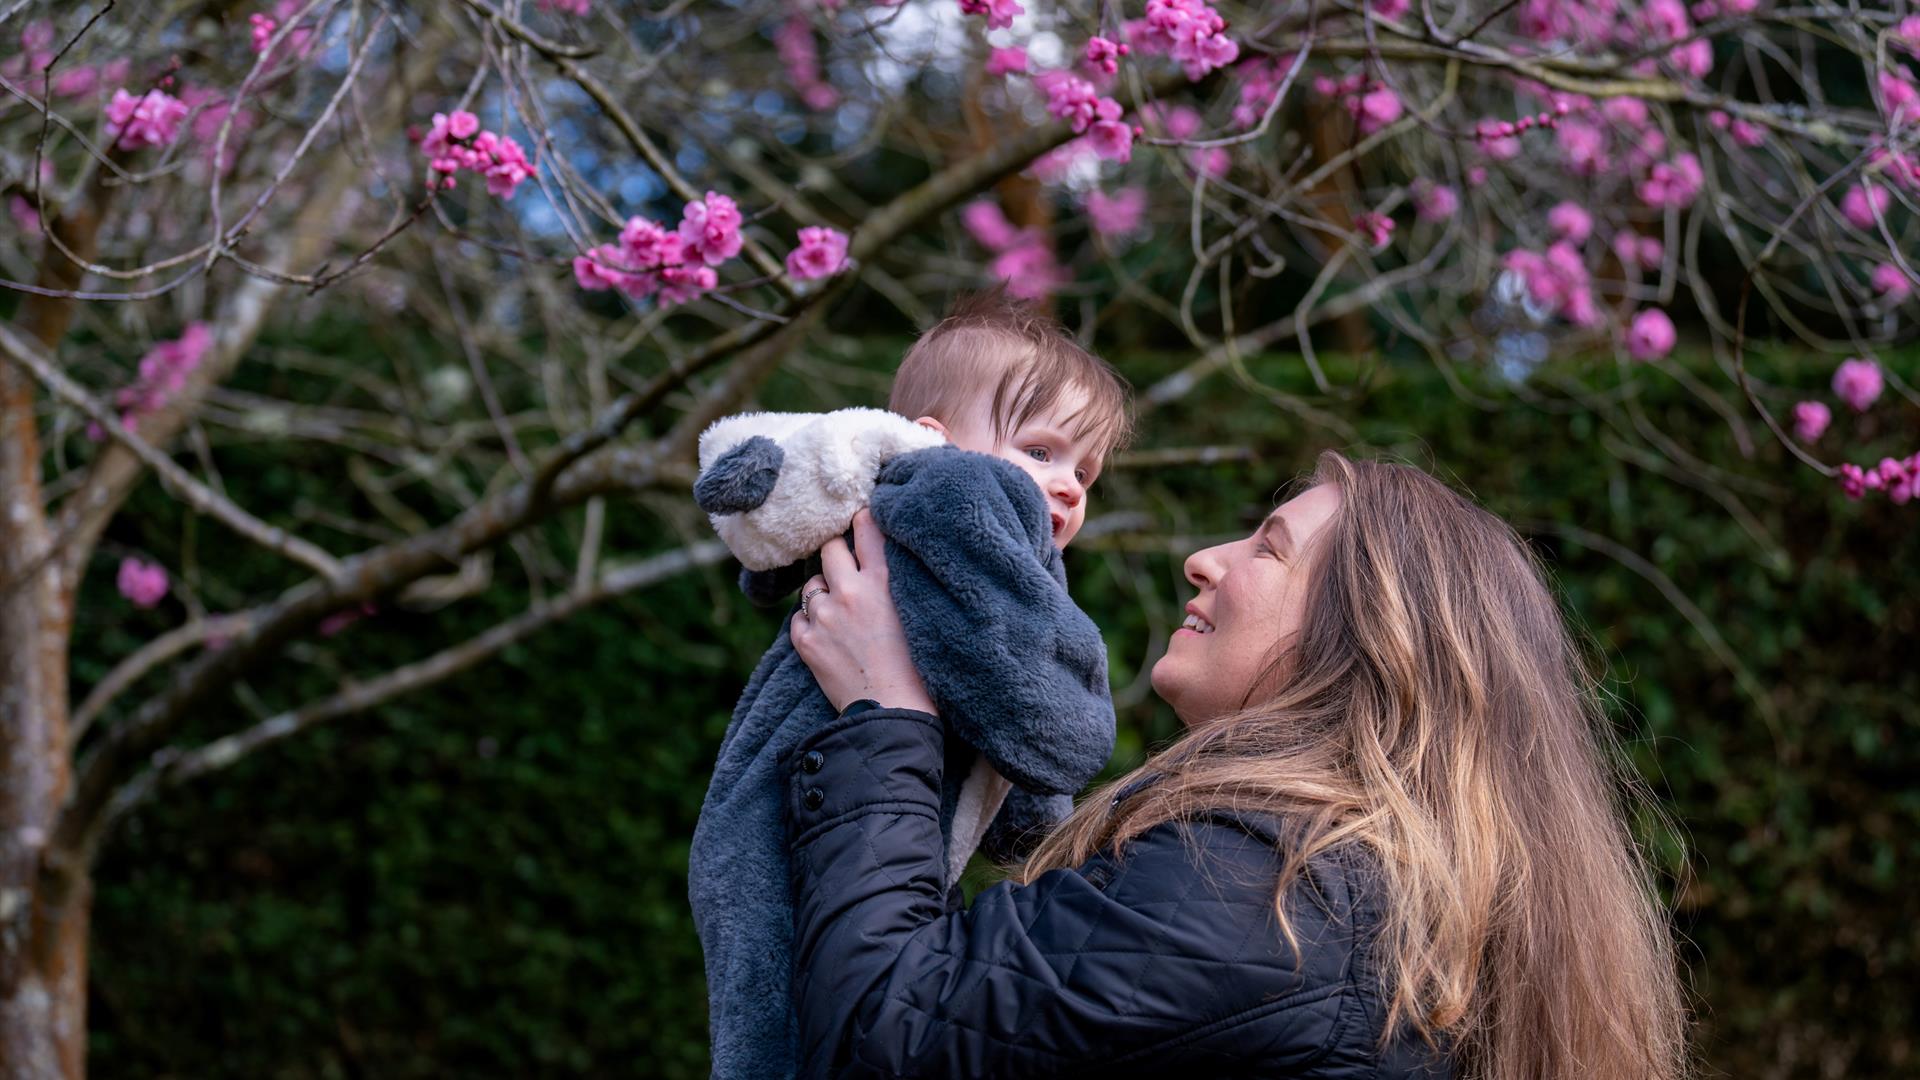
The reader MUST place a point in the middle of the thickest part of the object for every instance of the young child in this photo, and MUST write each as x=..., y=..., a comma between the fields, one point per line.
x=974, y=529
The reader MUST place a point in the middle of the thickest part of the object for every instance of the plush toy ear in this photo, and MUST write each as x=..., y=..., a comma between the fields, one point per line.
x=740, y=479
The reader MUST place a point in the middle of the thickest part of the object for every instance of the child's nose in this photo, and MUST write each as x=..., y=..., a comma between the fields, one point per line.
x=1068, y=490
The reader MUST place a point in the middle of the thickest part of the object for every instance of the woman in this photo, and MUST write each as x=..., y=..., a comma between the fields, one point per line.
x=1387, y=845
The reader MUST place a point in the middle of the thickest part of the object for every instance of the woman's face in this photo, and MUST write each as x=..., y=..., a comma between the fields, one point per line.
x=1251, y=592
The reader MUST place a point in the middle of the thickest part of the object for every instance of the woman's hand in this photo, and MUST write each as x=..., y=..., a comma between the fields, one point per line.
x=850, y=634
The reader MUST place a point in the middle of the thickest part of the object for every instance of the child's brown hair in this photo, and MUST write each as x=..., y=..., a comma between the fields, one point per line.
x=1028, y=359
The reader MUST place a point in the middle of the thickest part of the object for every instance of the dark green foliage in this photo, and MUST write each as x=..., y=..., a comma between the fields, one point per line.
x=487, y=878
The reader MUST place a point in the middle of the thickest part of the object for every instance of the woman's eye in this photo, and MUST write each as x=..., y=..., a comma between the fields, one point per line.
x=1037, y=453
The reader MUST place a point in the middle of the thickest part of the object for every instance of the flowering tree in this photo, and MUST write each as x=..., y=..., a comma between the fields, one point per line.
x=624, y=216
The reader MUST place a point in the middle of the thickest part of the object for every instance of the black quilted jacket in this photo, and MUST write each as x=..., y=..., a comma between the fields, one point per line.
x=1167, y=959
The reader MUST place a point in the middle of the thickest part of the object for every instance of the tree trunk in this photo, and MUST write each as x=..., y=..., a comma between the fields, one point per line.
x=43, y=982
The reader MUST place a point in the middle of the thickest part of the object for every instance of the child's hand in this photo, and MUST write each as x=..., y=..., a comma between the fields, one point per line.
x=850, y=634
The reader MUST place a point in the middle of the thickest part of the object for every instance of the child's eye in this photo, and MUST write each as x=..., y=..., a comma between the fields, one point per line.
x=1080, y=477
x=1037, y=453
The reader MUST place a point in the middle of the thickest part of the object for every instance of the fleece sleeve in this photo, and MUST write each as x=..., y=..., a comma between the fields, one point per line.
x=1015, y=668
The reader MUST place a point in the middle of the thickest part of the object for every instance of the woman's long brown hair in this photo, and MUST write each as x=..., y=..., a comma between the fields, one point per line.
x=1434, y=709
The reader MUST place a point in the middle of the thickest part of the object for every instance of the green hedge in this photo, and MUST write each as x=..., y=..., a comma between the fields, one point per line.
x=488, y=878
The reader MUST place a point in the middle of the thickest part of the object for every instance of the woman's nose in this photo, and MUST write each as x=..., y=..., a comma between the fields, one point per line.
x=1204, y=567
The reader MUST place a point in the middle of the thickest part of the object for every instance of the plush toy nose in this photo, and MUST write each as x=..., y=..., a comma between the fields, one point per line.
x=741, y=478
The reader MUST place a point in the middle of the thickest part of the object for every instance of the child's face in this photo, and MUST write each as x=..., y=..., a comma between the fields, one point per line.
x=1063, y=466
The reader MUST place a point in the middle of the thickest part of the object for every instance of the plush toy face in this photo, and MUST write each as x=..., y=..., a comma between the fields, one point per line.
x=779, y=485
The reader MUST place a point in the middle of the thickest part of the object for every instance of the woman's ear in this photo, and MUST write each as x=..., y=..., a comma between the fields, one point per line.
x=934, y=425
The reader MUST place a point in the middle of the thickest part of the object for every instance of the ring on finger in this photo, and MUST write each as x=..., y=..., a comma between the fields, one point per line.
x=809, y=595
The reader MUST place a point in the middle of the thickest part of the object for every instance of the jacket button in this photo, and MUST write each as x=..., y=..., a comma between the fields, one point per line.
x=814, y=761
x=813, y=798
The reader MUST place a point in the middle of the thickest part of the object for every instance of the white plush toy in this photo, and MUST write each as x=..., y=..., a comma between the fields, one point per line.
x=777, y=486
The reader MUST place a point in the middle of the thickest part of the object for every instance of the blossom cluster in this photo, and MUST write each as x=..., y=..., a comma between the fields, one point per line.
x=678, y=265
x=1023, y=258
x=794, y=42
x=162, y=373
x=36, y=56
x=1371, y=102
x=1078, y=102
x=455, y=143
x=1898, y=477
x=1190, y=31
x=149, y=119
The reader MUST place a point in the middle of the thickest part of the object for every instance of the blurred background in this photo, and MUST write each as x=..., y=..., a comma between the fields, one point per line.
x=365, y=656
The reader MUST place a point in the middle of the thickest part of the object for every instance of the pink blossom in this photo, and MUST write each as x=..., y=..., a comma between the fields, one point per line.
x=162, y=373
x=1695, y=57
x=1632, y=248
x=1497, y=139
x=1112, y=140
x=1558, y=281
x=1673, y=184
x=989, y=225
x=24, y=215
x=1434, y=202
x=1211, y=162
x=1651, y=335
x=1584, y=146
x=1374, y=109
x=1810, y=420
x=1375, y=228
x=1904, y=169
x=1391, y=9
x=1858, y=382
x=602, y=268
x=1571, y=221
x=681, y=283
x=263, y=28
x=1076, y=101
x=644, y=245
x=1116, y=215
x=822, y=253
x=570, y=7
x=1666, y=19
x=794, y=42
x=1892, y=282
x=1902, y=478
x=1630, y=111
x=152, y=119
x=1104, y=55
x=1179, y=121
x=77, y=81
x=1746, y=133
x=1007, y=61
x=1191, y=31
x=1000, y=13
x=144, y=584
x=1853, y=481
x=506, y=165
x=711, y=229
x=1862, y=202
x=1907, y=33
x=1029, y=269
x=1899, y=97
x=1261, y=85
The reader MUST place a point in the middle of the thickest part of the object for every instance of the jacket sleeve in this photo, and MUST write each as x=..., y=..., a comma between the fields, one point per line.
x=1153, y=958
